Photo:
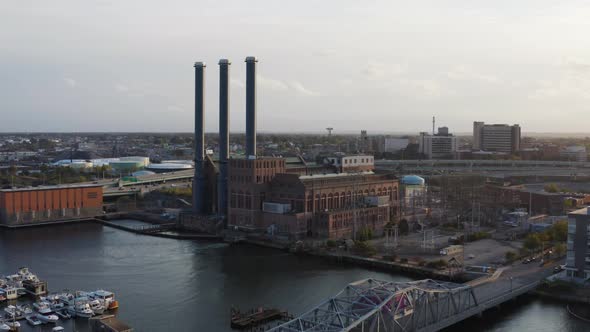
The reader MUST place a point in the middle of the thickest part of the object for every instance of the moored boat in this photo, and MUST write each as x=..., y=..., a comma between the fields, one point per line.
x=47, y=318
x=43, y=307
x=80, y=309
x=106, y=298
x=33, y=320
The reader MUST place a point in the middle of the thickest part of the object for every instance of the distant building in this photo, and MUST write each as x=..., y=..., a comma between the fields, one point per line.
x=365, y=144
x=413, y=192
x=393, y=145
x=576, y=263
x=439, y=146
x=41, y=204
x=574, y=153
x=496, y=137
x=350, y=164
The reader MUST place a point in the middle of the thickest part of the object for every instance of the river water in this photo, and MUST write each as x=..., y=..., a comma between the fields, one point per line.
x=179, y=285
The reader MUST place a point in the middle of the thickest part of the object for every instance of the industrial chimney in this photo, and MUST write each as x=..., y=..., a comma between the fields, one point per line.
x=251, y=107
x=222, y=189
x=199, y=177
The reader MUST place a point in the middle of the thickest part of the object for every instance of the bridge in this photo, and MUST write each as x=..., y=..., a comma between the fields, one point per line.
x=420, y=306
x=116, y=188
x=490, y=167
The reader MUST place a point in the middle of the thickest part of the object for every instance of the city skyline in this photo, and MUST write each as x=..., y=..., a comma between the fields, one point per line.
x=391, y=71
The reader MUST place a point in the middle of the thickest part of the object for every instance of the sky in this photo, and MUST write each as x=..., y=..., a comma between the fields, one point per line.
x=383, y=66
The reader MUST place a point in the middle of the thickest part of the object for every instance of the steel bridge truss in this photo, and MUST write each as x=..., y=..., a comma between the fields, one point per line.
x=374, y=305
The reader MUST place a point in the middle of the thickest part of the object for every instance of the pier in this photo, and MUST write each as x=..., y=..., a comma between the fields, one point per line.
x=256, y=317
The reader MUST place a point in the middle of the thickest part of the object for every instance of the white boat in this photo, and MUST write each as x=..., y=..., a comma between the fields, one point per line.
x=13, y=313
x=80, y=309
x=24, y=309
x=9, y=292
x=96, y=307
x=57, y=329
x=14, y=325
x=33, y=320
x=63, y=314
x=106, y=298
x=47, y=318
x=43, y=307
x=66, y=298
x=54, y=301
x=4, y=327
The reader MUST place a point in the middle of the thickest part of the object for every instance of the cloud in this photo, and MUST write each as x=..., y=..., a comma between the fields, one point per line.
x=324, y=52
x=425, y=88
x=298, y=87
x=278, y=85
x=377, y=70
x=70, y=82
x=175, y=109
x=272, y=84
x=121, y=87
x=237, y=83
x=571, y=81
x=467, y=73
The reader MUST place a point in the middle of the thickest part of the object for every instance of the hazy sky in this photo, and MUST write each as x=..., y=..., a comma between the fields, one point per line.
x=71, y=65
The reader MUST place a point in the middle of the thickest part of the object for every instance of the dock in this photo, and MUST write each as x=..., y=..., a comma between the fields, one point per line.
x=256, y=317
x=109, y=323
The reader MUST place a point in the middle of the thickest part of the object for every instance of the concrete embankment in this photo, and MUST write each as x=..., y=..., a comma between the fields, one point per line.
x=388, y=266
x=159, y=230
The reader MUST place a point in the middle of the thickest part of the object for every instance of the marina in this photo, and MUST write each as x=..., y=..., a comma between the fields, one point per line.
x=29, y=301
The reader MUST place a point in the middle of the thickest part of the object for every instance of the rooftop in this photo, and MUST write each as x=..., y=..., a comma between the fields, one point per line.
x=61, y=186
x=584, y=211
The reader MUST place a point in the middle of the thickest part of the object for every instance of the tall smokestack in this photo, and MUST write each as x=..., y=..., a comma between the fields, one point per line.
x=223, y=136
x=251, y=107
x=199, y=178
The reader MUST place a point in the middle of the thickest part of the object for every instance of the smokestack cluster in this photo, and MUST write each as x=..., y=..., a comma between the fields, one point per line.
x=199, y=178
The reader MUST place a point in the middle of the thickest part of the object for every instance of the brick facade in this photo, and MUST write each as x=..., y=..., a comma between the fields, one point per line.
x=31, y=205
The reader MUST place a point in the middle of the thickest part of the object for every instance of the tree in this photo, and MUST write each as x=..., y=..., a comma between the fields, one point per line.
x=532, y=242
x=510, y=256
x=560, y=249
x=560, y=231
x=551, y=188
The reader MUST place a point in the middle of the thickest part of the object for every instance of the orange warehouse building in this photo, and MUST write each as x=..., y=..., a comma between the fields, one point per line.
x=40, y=204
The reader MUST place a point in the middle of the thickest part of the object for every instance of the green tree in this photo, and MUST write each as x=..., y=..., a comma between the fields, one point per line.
x=532, y=242
x=510, y=256
x=560, y=231
x=551, y=188
x=560, y=249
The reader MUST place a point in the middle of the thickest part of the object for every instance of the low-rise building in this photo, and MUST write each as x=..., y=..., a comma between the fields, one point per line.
x=574, y=153
x=21, y=206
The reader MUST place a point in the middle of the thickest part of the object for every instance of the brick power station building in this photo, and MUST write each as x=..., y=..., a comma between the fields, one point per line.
x=22, y=206
x=286, y=197
x=327, y=201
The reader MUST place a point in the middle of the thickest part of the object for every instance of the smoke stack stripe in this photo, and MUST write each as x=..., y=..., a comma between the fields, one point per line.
x=222, y=188
x=251, y=107
x=199, y=178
